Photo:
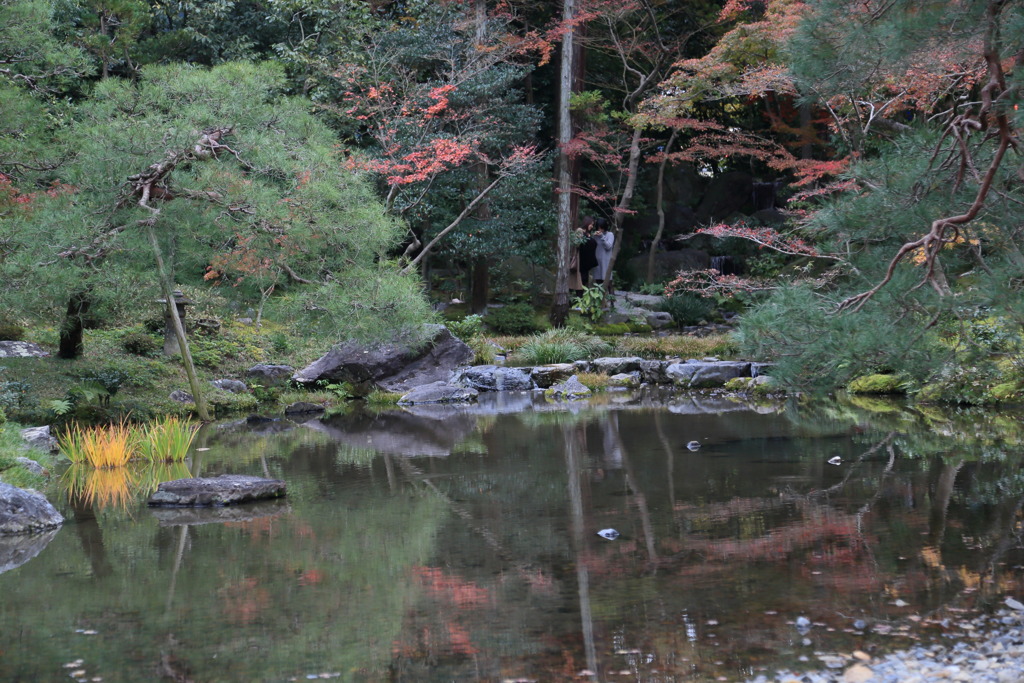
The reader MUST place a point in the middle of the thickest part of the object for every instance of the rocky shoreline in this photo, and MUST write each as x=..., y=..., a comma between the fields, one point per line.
x=985, y=649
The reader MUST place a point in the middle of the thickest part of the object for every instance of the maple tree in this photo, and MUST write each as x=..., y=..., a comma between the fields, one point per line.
x=433, y=107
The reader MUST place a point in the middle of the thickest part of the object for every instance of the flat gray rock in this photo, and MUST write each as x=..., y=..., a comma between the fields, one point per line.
x=227, y=489
x=25, y=512
x=21, y=349
x=494, y=378
x=438, y=392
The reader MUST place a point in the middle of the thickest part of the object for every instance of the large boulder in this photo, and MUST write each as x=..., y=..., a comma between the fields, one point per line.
x=233, y=386
x=270, y=375
x=25, y=512
x=615, y=366
x=494, y=378
x=392, y=367
x=39, y=438
x=227, y=489
x=545, y=376
x=21, y=349
x=701, y=374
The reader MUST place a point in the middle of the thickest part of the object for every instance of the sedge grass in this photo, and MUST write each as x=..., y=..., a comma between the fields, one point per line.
x=102, y=447
x=166, y=440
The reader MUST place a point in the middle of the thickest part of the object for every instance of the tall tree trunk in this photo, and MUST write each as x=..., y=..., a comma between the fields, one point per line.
x=71, y=330
x=560, y=305
x=623, y=206
x=661, y=206
x=179, y=329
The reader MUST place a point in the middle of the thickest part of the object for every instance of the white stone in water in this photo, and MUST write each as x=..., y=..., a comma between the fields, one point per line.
x=1014, y=604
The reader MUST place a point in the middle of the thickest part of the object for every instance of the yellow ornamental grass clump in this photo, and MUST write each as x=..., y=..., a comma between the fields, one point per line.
x=110, y=446
x=115, y=445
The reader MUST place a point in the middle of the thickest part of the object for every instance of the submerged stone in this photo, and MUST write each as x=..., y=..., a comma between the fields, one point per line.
x=227, y=489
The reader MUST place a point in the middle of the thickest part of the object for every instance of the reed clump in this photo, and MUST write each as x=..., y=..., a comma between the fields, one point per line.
x=112, y=446
x=166, y=440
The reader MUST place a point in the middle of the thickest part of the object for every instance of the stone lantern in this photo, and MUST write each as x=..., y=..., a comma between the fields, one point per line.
x=171, y=347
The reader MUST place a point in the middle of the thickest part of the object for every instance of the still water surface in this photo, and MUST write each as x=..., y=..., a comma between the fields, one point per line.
x=461, y=544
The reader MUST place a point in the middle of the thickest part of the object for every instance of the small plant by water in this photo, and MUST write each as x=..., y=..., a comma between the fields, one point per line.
x=167, y=440
x=110, y=446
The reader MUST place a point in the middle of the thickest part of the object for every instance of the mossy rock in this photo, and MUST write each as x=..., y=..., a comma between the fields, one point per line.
x=739, y=384
x=612, y=329
x=1007, y=391
x=931, y=393
x=877, y=384
x=874, y=404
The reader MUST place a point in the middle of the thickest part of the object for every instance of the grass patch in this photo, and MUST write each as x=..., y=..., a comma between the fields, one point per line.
x=677, y=345
x=166, y=440
x=379, y=398
x=594, y=381
x=560, y=346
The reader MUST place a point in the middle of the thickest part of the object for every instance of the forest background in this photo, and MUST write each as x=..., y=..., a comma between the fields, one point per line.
x=337, y=166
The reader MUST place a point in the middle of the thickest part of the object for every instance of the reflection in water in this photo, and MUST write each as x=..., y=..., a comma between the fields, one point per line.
x=18, y=549
x=459, y=543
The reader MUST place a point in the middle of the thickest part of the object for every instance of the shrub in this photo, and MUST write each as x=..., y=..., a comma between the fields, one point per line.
x=222, y=402
x=687, y=309
x=515, y=318
x=468, y=328
x=560, y=346
x=11, y=332
x=139, y=343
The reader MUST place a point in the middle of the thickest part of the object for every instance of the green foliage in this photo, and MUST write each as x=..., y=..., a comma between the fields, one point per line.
x=518, y=318
x=468, y=328
x=687, y=309
x=166, y=440
x=226, y=402
x=560, y=346
x=612, y=329
x=297, y=210
x=341, y=391
x=877, y=384
x=11, y=332
x=140, y=343
x=590, y=304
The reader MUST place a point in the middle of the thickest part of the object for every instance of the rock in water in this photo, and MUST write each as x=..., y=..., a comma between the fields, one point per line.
x=25, y=512
x=227, y=489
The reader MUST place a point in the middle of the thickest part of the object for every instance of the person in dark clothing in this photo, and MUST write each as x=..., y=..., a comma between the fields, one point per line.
x=588, y=251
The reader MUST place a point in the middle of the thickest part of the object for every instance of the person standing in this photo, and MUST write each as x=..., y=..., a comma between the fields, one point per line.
x=605, y=240
x=588, y=251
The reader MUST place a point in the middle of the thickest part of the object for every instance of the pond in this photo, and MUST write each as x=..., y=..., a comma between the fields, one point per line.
x=461, y=544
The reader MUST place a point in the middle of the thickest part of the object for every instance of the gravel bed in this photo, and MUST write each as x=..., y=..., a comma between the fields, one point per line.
x=988, y=649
